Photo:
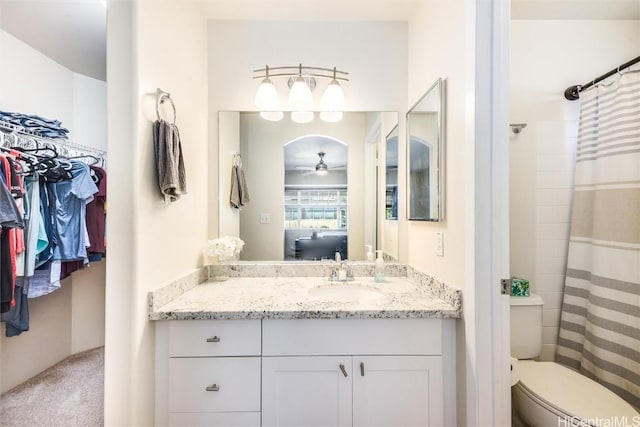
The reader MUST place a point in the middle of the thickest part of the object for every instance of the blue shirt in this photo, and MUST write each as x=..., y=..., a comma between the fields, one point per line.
x=70, y=198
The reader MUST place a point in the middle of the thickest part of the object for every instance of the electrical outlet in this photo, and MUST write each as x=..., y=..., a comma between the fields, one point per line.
x=439, y=243
x=265, y=218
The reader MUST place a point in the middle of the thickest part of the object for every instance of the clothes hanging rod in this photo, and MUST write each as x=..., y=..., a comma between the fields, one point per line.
x=24, y=134
x=572, y=93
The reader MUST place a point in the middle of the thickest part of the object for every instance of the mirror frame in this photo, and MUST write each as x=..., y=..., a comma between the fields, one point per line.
x=394, y=132
x=440, y=86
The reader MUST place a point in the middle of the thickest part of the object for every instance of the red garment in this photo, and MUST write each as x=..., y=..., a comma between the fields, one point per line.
x=12, y=235
x=96, y=214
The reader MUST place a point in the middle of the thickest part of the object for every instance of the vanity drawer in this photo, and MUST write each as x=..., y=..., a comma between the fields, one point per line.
x=302, y=337
x=236, y=380
x=223, y=419
x=193, y=338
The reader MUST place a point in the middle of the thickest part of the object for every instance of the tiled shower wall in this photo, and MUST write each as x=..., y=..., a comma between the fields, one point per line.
x=556, y=142
x=546, y=58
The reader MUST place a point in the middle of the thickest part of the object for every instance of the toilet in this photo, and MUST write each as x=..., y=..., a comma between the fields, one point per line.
x=549, y=394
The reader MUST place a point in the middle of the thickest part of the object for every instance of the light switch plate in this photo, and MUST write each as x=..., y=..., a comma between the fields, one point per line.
x=439, y=243
x=265, y=218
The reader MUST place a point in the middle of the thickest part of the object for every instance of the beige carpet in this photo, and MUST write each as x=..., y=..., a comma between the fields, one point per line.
x=70, y=393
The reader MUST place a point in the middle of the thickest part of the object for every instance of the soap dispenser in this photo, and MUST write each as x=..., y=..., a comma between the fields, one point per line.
x=378, y=268
x=370, y=256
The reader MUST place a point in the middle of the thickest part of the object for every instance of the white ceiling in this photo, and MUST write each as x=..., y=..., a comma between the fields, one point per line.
x=73, y=32
x=304, y=152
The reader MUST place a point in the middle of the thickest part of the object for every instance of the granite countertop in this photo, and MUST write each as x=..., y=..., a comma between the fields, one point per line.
x=308, y=298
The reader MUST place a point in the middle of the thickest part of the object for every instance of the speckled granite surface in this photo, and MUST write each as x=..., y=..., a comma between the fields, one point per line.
x=298, y=269
x=173, y=290
x=311, y=297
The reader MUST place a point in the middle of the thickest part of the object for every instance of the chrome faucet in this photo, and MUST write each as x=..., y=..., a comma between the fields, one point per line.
x=342, y=273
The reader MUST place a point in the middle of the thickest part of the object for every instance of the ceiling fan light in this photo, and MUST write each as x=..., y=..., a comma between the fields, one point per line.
x=321, y=172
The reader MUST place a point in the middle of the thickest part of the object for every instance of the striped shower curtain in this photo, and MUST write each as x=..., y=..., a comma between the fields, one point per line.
x=600, y=321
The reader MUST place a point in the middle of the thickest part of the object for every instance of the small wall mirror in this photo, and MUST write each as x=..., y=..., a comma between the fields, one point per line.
x=391, y=175
x=426, y=143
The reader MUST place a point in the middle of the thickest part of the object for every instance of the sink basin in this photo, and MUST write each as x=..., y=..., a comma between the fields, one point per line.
x=348, y=292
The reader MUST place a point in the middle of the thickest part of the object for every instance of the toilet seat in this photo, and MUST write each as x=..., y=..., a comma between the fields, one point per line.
x=569, y=394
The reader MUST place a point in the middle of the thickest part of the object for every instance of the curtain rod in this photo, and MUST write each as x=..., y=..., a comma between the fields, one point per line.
x=572, y=93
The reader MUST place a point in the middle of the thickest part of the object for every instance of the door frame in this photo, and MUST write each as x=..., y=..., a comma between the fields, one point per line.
x=486, y=310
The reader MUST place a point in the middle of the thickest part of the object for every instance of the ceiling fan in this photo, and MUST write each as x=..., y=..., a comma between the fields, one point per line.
x=321, y=168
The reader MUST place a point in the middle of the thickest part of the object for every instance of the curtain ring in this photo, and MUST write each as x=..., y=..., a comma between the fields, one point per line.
x=162, y=97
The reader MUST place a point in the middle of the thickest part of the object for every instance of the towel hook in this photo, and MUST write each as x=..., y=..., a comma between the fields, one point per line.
x=162, y=97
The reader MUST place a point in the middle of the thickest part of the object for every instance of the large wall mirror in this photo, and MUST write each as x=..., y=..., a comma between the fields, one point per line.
x=314, y=187
x=426, y=147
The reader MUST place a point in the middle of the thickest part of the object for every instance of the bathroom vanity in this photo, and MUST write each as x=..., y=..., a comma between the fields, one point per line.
x=276, y=351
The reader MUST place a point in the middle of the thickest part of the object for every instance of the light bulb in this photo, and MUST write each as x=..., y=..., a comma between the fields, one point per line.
x=300, y=98
x=268, y=101
x=302, y=116
x=332, y=103
x=272, y=116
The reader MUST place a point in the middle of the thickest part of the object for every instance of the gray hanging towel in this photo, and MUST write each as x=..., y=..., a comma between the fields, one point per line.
x=172, y=179
x=239, y=190
x=244, y=190
x=234, y=198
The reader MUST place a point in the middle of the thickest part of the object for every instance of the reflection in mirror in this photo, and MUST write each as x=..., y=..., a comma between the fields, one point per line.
x=312, y=186
x=425, y=134
x=391, y=177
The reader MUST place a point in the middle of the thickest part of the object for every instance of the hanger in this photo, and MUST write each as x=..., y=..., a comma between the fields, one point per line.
x=86, y=156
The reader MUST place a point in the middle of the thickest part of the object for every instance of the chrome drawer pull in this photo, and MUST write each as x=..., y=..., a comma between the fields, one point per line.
x=344, y=371
x=214, y=339
x=214, y=387
x=362, y=369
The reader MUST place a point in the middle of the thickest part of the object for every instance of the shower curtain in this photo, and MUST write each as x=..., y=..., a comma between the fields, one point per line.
x=600, y=320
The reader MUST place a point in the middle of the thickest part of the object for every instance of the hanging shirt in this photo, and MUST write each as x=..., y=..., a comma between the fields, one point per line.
x=96, y=213
x=70, y=198
x=10, y=218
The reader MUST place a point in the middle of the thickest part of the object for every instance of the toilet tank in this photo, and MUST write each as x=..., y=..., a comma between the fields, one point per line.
x=526, y=326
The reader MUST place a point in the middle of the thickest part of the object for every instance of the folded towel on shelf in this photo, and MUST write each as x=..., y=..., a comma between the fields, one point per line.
x=172, y=179
x=41, y=125
x=239, y=190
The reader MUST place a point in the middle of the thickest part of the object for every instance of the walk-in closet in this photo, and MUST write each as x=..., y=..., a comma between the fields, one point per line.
x=53, y=172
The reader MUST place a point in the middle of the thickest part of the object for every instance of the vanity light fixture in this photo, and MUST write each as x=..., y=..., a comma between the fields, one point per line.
x=301, y=82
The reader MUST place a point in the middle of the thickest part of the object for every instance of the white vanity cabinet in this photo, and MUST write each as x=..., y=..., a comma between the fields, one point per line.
x=311, y=372
x=355, y=372
x=208, y=373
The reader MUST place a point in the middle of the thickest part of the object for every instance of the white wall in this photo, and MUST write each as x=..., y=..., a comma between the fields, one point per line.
x=374, y=53
x=546, y=58
x=89, y=111
x=229, y=140
x=71, y=319
x=151, y=44
x=437, y=49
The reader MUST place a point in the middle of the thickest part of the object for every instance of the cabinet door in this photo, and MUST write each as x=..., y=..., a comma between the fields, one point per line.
x=306, y=391
x=397, y=391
